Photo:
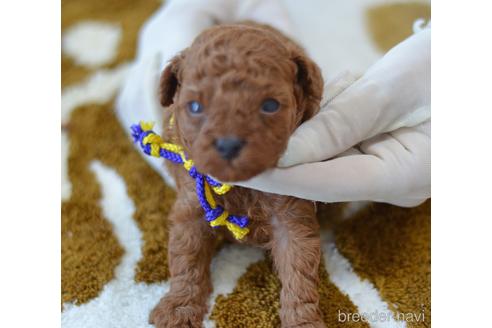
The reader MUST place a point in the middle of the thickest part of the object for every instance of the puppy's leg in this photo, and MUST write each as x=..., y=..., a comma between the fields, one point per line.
x=296, y=254
x=190, y=250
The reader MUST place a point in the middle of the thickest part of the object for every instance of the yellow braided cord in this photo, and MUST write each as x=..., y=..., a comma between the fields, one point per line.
x=208, y=195
x=237, y=231
x=154, y=150
x=171, y=120
x=171, y=147
x=222, y=189
x=156, y=144
x=221, y=220
x=187, y=163
x=152, y=138
x=146, y=126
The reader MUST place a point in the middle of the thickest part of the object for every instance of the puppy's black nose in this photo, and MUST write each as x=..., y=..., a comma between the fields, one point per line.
x=228, y=147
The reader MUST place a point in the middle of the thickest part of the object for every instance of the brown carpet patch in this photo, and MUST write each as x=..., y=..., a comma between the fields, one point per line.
x=391, y=247
x=389, y=24
x=72, y=73
x=255, y=302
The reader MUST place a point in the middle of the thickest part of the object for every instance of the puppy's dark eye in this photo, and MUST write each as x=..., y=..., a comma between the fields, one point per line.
x=194, y=107
x=270, y=106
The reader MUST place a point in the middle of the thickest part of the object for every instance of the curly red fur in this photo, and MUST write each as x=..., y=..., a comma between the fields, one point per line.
x=231, y=70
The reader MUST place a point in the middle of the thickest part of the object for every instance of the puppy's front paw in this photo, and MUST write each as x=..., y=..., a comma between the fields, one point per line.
x=170, y=313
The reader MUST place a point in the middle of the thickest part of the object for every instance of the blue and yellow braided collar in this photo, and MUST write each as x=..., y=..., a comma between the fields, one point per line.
x=153, y=145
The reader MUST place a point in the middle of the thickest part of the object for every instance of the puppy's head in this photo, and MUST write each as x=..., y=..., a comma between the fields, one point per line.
x=237, y=94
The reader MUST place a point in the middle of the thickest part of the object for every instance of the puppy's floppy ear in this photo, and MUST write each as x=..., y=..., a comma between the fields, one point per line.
x=170, y=80
x=309, y=86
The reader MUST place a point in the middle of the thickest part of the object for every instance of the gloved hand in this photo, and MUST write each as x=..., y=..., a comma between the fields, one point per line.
x=375, y=135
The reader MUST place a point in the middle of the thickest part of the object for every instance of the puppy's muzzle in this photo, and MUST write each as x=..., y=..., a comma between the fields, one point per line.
x=229, y=147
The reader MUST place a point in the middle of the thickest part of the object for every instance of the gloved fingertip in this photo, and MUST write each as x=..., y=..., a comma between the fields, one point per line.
x=287, y=160
x=292, y=155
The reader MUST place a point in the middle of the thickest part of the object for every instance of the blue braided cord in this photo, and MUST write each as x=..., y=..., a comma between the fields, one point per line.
x=136, y=132
x=213, y=182
x=143, y=135
x=194, y=173
x=200, y=192
x=241, y=221
x=146, y=149
x=169, y=155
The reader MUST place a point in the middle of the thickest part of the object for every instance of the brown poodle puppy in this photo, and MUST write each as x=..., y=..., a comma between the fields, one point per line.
x=237, y=94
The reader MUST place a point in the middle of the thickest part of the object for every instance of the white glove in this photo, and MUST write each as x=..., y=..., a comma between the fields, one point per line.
x=385, y=116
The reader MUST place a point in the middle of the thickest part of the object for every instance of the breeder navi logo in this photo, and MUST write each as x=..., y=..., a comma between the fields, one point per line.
x=377, y=316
